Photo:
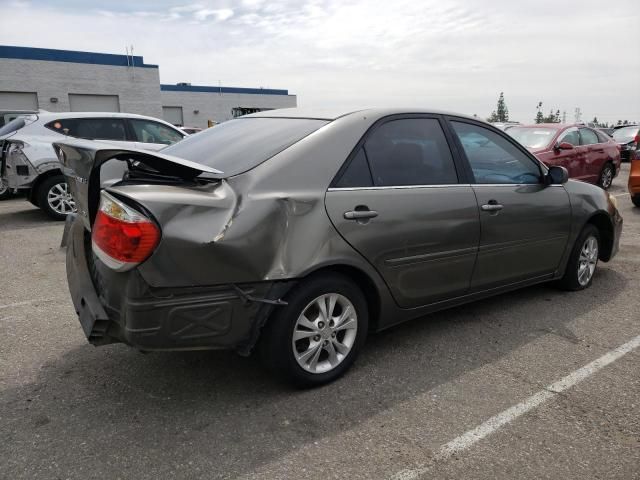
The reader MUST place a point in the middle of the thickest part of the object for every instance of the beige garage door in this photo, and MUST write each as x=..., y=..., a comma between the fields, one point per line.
x=93, y=103
x=18, y=101
x=173, y=115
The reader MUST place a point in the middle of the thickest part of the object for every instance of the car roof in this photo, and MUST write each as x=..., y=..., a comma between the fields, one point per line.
x=554, y=126
x=333, y=114
x=63, y=115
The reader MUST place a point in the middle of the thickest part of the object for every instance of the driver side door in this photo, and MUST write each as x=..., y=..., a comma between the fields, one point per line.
x=524, y=224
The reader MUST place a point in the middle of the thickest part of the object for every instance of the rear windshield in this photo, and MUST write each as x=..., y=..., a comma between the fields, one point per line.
x=16, y=124
x=532, y=137
x=625, y=135
x=240, y=145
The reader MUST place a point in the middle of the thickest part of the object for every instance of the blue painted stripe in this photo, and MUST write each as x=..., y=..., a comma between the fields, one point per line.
x=202, y=88
x=51, y=55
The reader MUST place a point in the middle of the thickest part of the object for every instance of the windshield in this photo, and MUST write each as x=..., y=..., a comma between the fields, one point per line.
x=242, y=144
x=532, y=137
x=16, y=124
x=626, y=134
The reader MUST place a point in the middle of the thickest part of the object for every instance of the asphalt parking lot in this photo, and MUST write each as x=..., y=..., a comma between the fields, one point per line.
x=503, y=388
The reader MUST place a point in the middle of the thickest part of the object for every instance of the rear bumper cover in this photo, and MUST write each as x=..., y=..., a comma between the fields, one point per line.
x=126, y=309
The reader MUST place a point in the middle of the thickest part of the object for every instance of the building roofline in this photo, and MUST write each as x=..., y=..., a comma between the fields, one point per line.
x=72, y=56
x=209, y=89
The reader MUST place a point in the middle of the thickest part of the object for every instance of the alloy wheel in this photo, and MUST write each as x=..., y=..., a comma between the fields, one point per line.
x=60, y=200
x=587, y=260
x=325, y=333
x=4, y=186
x=607, y=177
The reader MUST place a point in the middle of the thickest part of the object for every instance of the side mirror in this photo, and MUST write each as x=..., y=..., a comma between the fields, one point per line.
x=564, y=146
x=557, y=175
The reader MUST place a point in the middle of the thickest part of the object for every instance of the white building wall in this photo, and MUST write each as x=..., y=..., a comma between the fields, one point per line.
x=217, y=106
x=137, y=88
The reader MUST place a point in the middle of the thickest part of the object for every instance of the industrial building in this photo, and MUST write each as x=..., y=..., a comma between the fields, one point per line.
x=65, y=80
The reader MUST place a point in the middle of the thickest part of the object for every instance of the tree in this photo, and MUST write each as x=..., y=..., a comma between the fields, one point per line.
x=502, y=111
x=539, y=116
x=595, y=121
x=501, y=114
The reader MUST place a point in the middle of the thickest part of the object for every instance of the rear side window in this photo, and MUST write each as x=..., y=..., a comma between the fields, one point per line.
x=154, y=132
x=410, y=151
x=90, y=128
x=588, y=136
x=357, y=173
x=239, y=145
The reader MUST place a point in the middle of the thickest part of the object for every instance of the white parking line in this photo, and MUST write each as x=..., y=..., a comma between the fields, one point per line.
x=27, y=302
x=473, y=436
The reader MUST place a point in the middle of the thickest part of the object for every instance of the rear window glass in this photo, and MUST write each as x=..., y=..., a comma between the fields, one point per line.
x=16, y=124
x=240, y=145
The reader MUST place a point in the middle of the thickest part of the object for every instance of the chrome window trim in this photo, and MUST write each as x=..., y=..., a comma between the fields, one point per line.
x=405, y=187
x=397, y=187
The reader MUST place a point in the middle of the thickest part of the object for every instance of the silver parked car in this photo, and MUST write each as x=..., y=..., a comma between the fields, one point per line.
x=298, y=232
x=28, y=162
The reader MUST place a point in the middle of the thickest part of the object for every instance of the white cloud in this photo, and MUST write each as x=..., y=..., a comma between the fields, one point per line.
x=456, y=55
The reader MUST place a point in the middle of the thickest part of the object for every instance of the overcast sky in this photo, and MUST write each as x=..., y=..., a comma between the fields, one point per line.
x=454, y=55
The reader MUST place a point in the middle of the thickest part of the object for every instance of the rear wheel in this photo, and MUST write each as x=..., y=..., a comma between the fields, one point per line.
x=54, y=197
x=636, y=200
x=606, y=176
x=584, y=259
x=5, y=191
x=316, y=337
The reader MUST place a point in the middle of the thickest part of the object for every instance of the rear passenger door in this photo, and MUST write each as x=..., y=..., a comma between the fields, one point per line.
x=399, y=201
x=155, y=136
x=595, y=155
x=524, y=223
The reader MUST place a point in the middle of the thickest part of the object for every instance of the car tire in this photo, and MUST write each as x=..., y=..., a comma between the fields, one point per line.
x=54, y=198
x=5, y=191
x=636, y=200
x=606, y=175
x=307, y=347
x=583, y=261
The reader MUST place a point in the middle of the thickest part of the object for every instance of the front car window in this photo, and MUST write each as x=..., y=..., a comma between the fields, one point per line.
x=626, y=134
x=153, y=132
x=239, y=145
x=533, y=137
x=90, y=128
x=493, y=159
x=570, y=136
x=411, y=151
x=588, y=136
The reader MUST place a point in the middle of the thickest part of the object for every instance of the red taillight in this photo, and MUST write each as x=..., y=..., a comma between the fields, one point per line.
x=121, y=236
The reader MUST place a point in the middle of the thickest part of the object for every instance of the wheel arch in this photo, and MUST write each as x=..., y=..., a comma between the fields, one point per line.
x=602, y=222
x=33, y=191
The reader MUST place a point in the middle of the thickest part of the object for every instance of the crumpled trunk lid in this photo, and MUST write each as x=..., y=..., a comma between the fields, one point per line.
x=82, y=161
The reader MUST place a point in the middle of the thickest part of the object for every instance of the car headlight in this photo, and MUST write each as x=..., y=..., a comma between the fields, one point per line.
x=613, y=200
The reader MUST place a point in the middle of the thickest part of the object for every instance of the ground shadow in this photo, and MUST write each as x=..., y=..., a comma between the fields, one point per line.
x=217, y=415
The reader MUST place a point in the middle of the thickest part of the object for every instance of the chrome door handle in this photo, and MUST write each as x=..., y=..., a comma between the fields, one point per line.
x=360, y=214
x=492, y=207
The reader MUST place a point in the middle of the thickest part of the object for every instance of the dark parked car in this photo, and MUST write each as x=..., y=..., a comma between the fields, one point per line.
x=629, y=140
x=588, y=154
x=298, y=232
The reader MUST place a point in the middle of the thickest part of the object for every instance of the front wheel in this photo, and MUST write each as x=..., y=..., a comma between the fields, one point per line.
x=606, y=176
x=316, y=337
x=583, y=261
x=54, y=197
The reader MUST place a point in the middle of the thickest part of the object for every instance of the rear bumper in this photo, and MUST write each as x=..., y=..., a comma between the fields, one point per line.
x=124, y=308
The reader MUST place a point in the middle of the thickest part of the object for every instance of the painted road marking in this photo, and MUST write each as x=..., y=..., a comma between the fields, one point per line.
x=468, y=439
x=28, y=302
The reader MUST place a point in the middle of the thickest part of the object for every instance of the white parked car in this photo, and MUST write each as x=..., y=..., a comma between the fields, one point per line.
x=28, y=162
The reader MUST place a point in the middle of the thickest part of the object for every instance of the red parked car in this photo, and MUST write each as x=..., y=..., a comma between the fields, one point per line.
x=588, y=154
